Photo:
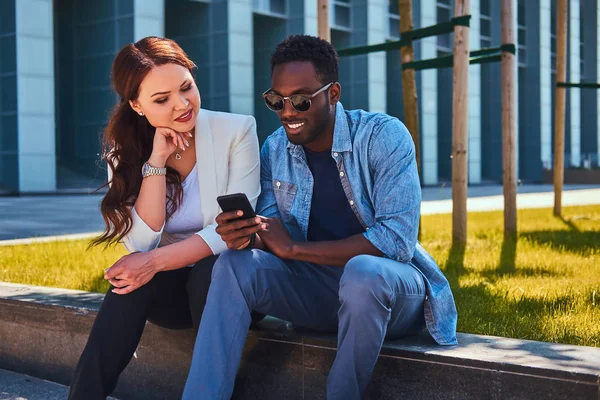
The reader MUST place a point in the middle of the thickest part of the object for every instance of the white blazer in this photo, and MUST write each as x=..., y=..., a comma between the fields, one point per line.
x=227, y=160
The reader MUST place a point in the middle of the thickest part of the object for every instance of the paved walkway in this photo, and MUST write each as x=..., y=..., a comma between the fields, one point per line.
x=15, y=386
x=42, y=216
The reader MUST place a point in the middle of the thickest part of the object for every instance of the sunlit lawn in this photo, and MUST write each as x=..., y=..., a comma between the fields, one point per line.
x=546, y=286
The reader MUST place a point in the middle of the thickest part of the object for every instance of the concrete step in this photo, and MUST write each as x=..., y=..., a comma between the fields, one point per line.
x=43, y=331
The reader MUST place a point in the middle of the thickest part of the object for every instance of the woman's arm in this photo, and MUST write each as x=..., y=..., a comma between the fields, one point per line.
x=135, y=270
x=244, y=177
x=151, y=203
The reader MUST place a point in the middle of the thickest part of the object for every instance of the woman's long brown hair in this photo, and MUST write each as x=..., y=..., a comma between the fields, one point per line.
x=128, y=137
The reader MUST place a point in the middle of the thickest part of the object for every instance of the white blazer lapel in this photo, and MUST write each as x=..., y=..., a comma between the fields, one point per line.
x=207, y=176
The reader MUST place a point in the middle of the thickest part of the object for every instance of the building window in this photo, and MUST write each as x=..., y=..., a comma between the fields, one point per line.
x=521, y=34
x=340, y=15
x=393, y=20
x=444, y=13
x=270, y=7
x=485, y=24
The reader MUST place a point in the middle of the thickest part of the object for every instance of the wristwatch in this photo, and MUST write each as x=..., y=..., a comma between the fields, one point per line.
x=148, y=170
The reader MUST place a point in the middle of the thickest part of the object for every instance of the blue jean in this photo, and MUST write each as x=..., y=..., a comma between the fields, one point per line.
x=369, y=300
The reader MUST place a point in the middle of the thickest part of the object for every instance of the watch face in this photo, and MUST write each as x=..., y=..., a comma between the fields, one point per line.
x=145, y=169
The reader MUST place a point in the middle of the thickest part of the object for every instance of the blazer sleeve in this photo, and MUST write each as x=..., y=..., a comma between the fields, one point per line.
x=141, y=237
x=244, y=177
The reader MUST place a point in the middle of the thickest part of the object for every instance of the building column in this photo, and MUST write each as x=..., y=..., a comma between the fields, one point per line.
x=377, y=23
x=429, y=98
x=35, y=95
x=546, y=112
x=240, y=39
x=311, y=25
x=474, y=100
x=148, y=18
x=574, y=76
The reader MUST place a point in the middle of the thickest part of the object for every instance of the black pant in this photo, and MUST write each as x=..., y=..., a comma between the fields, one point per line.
x=172, y=299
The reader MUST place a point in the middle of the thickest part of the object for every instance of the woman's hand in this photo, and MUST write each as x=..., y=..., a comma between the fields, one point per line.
x=130, y=272
x=166, y=141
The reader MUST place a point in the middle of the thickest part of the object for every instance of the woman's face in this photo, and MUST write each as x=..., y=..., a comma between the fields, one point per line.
x=169, y=98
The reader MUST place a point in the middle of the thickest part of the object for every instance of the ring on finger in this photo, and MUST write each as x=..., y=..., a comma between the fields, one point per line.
x=244, y=245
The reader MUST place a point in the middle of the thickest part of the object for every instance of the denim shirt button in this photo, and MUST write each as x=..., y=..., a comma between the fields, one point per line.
x=278, y=184
x=335, y=154
x=342, y=173
x=351, y=201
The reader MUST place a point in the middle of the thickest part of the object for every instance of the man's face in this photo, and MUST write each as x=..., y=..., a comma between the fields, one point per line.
x=308, y=127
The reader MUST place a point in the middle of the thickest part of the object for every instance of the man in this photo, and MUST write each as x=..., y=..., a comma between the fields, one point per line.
x=335, y=246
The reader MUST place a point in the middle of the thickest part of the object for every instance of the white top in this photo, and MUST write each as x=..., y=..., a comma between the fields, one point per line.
x=188, y=218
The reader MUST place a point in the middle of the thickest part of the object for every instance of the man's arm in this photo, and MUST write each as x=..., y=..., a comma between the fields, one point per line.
x=337, y=253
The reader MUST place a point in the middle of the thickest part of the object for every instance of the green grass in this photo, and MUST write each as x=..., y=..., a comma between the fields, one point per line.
x=544, y=286
x=65, y=264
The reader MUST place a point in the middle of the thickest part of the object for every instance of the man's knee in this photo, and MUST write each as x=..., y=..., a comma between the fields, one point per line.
x=362, y=282
x=240, y=265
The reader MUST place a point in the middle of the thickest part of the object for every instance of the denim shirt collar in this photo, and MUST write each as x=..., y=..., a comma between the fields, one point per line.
x=342, y=141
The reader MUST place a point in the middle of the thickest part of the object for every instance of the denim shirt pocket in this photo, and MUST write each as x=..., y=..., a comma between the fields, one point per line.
x=284, y=195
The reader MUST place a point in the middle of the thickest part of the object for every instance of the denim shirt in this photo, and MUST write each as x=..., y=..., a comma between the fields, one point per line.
x=375, y=157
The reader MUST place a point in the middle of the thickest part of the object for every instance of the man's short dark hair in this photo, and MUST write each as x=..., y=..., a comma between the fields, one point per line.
x=308, y=48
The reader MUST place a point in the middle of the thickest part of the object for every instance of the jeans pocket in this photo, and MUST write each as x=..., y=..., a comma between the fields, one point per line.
x=284, y=195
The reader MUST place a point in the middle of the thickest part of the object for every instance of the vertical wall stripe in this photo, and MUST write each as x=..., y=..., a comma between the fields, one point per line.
x=148, y=18
x=547, y=112
x=429, y=115
x=241, y=61
x=474, y=100
x=35, y=95
x=310, y=17
x=377, y=24
x=574, y=93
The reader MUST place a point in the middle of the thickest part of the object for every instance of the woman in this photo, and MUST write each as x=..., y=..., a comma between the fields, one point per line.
x=168, y=161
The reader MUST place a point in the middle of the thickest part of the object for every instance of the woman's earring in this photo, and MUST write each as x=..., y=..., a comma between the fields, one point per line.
x=141, y=113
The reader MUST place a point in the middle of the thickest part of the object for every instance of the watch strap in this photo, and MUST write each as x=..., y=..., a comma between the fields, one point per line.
x=149, y=170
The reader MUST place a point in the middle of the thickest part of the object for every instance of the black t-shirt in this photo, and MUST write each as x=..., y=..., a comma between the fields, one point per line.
x=331, y=217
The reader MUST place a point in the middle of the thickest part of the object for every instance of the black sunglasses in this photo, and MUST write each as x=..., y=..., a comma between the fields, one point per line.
x=300, y=102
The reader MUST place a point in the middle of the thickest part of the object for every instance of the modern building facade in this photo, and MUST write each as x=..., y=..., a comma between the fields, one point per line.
x=55, y=59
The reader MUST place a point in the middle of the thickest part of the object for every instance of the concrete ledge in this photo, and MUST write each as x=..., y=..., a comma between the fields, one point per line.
x=43, y=331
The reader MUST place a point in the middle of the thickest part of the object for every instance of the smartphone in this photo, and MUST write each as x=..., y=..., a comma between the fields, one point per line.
x=236, y=201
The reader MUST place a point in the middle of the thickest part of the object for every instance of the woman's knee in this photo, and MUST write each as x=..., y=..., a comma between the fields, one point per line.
x=200, y=276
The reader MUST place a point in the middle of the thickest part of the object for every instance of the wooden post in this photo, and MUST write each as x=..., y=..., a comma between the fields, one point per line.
x=460, y=126
x=509, y=123
x=560, y=103
x=323, y=19
x=409, y=85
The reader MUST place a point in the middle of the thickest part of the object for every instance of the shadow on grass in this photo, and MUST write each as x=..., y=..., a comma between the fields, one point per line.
x=454, y=267
x=508, y=256
x=571, y=241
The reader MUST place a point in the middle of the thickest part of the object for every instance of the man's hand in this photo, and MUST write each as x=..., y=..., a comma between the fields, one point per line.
x=276, y=238
x=130, y=272
x=236, y=233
